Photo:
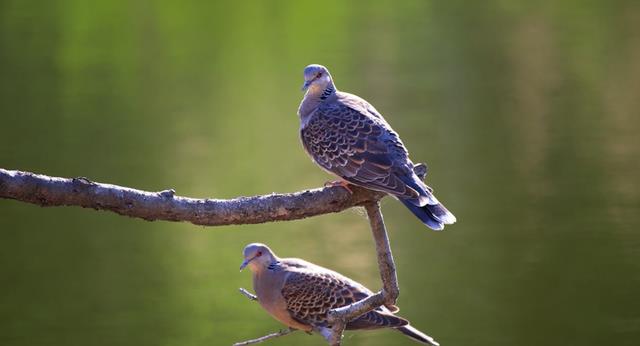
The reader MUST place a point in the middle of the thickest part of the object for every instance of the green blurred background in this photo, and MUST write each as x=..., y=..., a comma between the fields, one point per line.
x=528, y=116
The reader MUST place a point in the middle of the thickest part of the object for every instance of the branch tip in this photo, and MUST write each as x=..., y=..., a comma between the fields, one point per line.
x=281, y=332
x=248, y=294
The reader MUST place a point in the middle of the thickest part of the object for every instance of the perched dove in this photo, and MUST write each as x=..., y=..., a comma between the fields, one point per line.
x=299, y=294
x=346, y=136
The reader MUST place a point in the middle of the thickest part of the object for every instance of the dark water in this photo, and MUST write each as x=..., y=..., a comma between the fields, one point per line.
x=528, y=116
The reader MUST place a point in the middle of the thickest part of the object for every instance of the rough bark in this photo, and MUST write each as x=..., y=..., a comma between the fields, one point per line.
x=165, y=205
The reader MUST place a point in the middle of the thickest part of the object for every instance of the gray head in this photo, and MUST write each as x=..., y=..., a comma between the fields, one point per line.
x=257, y=256
x=316, y=78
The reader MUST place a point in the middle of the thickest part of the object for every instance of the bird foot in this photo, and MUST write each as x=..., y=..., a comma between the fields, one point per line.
x=339, y=183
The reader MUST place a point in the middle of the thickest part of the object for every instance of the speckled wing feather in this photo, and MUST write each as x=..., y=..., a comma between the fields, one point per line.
x=362, y=149
x=310, y=293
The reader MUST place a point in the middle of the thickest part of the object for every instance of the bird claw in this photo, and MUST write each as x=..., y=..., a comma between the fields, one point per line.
x=341, y=183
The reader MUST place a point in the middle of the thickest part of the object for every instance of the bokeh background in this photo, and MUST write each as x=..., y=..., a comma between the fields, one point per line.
x=527, y=114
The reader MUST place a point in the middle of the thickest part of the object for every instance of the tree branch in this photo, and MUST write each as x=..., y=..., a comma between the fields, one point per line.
x=279, y=333
x=165, y=205
x=248, y=294
x=341, y=316
x=387, y=266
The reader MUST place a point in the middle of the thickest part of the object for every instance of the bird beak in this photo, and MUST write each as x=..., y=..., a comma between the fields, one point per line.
x=246, y=262
x=306, y=84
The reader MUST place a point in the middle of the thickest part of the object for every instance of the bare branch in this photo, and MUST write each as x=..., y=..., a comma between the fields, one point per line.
x=387, y=266
x=341, y=316
x=279, y=333
x=165, y=205
x=248, y=294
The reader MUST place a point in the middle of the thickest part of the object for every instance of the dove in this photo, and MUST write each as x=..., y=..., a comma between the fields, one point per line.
x=348, y=137
x=299, y=294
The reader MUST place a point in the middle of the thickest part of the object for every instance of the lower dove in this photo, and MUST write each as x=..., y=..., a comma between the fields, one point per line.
x=300, y=294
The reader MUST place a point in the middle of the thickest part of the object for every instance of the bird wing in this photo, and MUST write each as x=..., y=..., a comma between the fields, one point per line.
x=361, y=148
x=310, y=294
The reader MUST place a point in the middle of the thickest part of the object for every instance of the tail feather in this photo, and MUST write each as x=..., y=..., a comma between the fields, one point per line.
x=441, y=213
x=378, y=318
x=435, y=216
x=417, y=335
x=425, y=193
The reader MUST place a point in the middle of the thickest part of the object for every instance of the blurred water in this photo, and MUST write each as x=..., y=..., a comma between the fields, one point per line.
x=526, y=114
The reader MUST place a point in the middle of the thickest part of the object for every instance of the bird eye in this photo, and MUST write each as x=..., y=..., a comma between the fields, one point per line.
x=319, y=74
x=259, y=254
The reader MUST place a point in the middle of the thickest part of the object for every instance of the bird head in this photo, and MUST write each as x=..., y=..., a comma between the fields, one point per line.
x=316, y=77
x=257, y=256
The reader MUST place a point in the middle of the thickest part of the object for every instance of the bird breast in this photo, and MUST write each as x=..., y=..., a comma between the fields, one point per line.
x=268, y=288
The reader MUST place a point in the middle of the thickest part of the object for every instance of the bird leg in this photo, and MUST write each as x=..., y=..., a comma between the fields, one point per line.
x=338, y=318
x=342, y=183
